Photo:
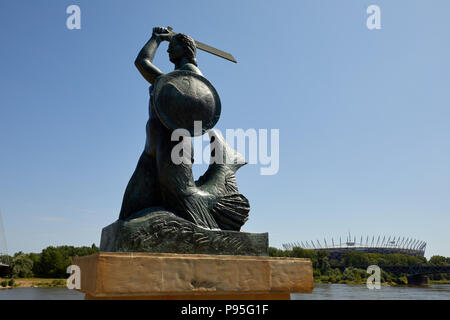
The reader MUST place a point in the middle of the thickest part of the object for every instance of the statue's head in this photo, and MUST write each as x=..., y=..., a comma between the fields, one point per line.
x=182, y=46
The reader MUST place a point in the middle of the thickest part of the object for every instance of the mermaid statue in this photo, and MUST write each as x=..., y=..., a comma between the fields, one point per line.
x=177, y=100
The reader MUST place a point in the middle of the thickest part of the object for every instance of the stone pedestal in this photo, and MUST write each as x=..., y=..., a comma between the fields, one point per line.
x=108, y=275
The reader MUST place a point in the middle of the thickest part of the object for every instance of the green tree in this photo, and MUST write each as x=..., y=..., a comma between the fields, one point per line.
x=438, y=260
x=396, y=259
x=335, y=275
x=349, y=274
x=298, y=252
x=325, y=266
x=22, y=266
x=274, y=252
x=51, y=263
x=355, y=259
x=6, y=259
x=18, y=254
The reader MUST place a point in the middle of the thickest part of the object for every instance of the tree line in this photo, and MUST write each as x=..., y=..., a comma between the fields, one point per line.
x=52, y=262
x=345, y=270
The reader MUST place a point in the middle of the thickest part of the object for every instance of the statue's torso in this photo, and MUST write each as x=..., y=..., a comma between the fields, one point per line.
x=154, y=125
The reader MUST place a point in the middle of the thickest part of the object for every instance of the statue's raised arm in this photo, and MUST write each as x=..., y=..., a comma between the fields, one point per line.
x=144, y=60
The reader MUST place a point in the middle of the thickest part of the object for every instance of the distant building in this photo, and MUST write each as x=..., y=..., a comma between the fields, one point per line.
x=337, y=250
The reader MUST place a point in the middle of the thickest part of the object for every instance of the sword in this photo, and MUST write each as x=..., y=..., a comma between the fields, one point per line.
x=209, y=49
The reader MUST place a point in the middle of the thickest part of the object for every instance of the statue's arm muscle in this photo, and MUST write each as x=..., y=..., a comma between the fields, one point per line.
x=144, y=60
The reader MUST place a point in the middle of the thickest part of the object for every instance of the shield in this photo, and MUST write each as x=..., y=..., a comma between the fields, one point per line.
x=182, y=97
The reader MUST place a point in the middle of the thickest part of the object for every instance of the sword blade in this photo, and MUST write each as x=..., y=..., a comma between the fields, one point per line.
x=209, y=49
x=214, y=51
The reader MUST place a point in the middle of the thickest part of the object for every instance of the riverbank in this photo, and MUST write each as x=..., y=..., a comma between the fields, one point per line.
x=348, y=282
x=439, y=281
x=388, y=284
x=61, y=283
x=34, y=283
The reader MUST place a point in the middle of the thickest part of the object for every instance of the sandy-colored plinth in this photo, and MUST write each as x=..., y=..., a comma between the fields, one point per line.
x=192, y=276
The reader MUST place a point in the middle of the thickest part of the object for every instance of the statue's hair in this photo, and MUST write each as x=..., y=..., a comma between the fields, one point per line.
x=189, y=46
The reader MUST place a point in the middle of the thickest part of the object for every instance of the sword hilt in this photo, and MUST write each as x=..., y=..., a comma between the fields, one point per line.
x=171, y=30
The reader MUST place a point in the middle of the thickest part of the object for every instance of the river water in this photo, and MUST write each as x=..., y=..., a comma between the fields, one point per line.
x=321, y=292
x=361, y=292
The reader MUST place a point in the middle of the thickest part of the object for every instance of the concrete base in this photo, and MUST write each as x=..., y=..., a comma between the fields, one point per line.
x=192, y=276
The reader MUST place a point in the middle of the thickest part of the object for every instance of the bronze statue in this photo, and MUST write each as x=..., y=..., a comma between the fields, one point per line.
x=177, y=99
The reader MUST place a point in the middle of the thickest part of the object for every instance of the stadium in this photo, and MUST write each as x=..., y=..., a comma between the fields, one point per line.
x=383, y=245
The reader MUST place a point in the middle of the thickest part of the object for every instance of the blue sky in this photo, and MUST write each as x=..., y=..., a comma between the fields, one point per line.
x=363, y=114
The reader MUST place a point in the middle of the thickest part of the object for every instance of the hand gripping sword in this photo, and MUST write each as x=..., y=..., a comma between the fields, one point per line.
x=209, y=49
